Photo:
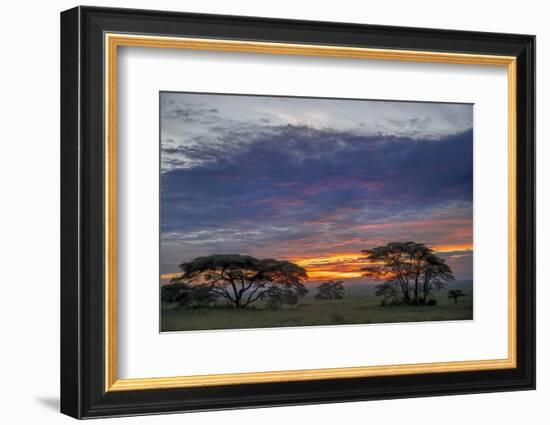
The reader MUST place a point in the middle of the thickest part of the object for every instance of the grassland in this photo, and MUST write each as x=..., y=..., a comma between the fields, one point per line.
x=359, y=306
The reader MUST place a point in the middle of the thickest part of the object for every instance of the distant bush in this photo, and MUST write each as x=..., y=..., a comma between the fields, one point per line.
x=390, y=302
x=431, y=302
x=330, y=290
x=337, y=319
x=455, y=294
x=188, y=296
x=175, y=292
x=275, y=297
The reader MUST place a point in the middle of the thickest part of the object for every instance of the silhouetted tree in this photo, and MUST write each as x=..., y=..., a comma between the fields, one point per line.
x=330, y=290
x=410, y=268
x=455, y=294
x=242, y=279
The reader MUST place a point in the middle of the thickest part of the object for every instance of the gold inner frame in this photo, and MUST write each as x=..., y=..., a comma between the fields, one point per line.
x=113, y=41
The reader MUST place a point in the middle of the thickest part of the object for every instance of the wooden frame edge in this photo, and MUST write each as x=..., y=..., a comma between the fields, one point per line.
x=306, y=375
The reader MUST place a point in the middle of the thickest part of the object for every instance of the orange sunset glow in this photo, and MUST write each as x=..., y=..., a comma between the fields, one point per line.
x=453, y=248
x=332, y=266
x=348, y=265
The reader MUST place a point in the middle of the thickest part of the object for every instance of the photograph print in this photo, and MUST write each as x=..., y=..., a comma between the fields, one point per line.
x=300, y=211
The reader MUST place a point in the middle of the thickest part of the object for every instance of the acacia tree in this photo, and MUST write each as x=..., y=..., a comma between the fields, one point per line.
x=330, y=290
x=409, y=269
x=243, y=279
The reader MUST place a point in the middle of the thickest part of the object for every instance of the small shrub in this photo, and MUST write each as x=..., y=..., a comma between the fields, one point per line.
x=390, y=303
x=337, y=319
x=275, y=297
x=331, y=290
x=431, y=302
x=455, y=295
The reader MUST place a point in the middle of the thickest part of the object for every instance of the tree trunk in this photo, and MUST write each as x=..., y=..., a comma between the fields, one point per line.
x=405, y=290
x=426, y=289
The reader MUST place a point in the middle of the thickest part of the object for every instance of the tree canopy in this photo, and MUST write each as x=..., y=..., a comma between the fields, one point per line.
x=243, y=279
x=411, y=271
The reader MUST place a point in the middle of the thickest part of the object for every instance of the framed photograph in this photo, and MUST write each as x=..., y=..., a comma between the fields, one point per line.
x=261, y=212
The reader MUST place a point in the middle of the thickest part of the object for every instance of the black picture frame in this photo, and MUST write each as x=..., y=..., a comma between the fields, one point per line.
x=83, y=392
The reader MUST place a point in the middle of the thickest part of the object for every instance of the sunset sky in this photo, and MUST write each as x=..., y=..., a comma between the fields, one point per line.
x=313, y=181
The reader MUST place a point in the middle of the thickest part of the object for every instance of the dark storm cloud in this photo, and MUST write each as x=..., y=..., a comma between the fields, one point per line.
x=301, y=174
x=296, y=183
